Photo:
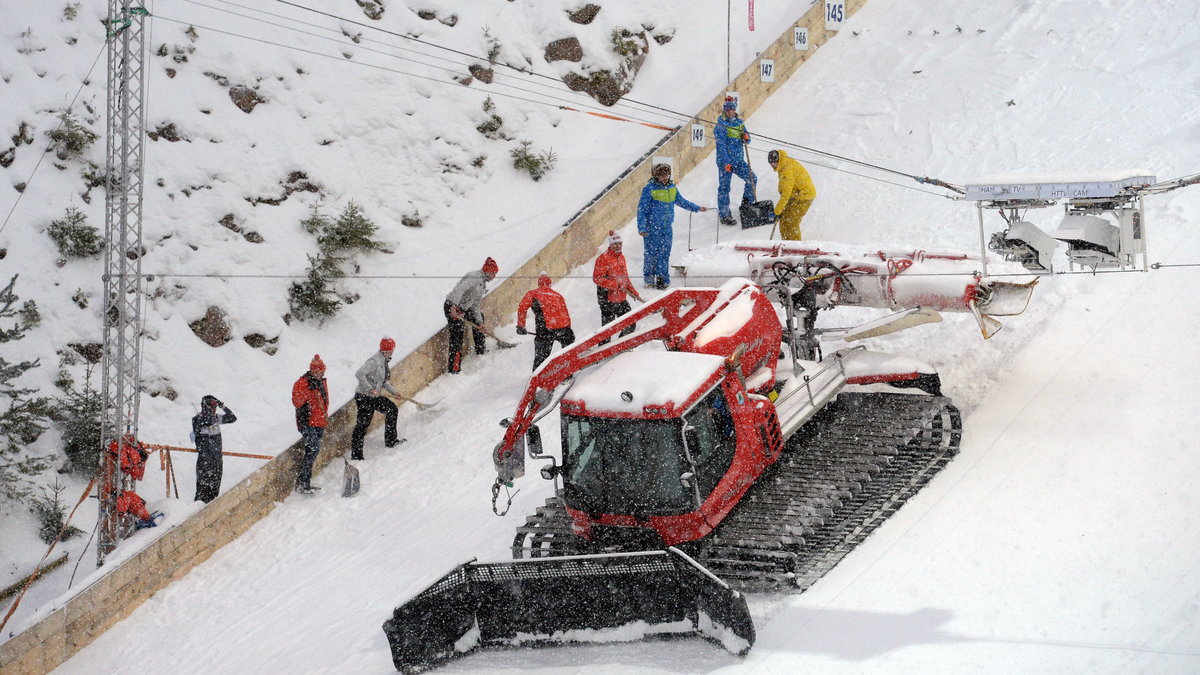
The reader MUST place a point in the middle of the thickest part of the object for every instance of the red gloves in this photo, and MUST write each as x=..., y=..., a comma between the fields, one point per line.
x=746, y=137
x=728, y=168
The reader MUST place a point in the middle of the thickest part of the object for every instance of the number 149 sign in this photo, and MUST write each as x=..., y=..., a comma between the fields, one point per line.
x=835, y=14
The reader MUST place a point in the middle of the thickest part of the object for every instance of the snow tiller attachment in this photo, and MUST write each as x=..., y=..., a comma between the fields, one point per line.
x=589, y=598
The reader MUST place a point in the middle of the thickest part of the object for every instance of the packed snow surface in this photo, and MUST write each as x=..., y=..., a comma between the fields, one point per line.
x=1061, y=539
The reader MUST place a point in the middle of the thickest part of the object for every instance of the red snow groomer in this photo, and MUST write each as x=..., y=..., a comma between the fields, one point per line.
x=708, y=452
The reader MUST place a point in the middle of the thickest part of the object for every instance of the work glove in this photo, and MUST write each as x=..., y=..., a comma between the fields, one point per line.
x=746, y=137
x=521, y=330
x=456, y=313
x=728, y=168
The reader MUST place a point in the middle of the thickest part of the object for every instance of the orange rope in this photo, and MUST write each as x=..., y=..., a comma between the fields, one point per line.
x=37, y=570
x=619, y=119
x=153, y=446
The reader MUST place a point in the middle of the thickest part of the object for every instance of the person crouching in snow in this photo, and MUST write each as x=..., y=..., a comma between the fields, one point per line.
x=206, y=429
x=463, y=303
x=369, y=399
x=551, y=319
x=310, y=396
x=796, y=193
x=731, y=138
x=655, y=214
x=132, y=513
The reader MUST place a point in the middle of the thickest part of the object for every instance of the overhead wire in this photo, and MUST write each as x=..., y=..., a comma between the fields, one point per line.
x=475, y=57
x=397, y=71
x=667, y=111
x=555, y=87
x=423, y=277
x=553, y=92
x=28, y=181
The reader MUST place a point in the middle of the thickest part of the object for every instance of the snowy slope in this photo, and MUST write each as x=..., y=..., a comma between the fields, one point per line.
x=382, y=121
x=1061, y=539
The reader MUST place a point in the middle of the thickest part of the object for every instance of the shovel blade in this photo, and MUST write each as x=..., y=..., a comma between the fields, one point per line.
x=350, y=481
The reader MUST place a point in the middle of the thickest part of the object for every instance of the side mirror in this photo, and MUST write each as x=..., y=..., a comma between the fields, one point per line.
x=549, y=471
x=534, y=436
x=506, y=422
x=685, y=479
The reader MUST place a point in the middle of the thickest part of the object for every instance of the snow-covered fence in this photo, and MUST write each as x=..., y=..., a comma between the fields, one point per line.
x=130, y=582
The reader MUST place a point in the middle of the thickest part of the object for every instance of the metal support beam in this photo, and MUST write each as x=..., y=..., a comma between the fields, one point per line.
x=123, y=254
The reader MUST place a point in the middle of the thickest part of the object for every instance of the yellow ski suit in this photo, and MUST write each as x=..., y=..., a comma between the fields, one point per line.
x=796, y=194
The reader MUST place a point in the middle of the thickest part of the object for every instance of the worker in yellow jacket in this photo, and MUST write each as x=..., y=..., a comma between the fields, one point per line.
x=796, y=193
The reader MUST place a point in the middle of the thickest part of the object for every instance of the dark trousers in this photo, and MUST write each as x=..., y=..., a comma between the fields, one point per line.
x=458, y=332
x=312, y=445
x=610, y=311
x=208, y=467
x=367, y=406
x=544, y=341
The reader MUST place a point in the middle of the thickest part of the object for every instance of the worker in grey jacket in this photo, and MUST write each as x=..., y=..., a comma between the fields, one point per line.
x=463, y=303
x=369, y=399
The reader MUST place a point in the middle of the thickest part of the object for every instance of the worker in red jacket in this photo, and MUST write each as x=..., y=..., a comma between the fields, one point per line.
x=310, y=396
x=131, y=510
x=611, y=277
x=132, y=456
x=550, y=317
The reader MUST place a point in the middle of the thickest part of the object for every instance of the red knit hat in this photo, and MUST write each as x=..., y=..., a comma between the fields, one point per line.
x=387, y=344
x=490, y=266
x=316, y=366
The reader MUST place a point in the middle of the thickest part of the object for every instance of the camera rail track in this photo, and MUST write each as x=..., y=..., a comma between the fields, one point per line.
x=846, y=472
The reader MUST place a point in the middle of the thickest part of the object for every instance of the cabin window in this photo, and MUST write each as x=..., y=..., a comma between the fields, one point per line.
x=624, y=466
x=712, y=440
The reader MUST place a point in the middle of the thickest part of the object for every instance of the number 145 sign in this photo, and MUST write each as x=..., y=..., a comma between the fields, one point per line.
x=835, y=14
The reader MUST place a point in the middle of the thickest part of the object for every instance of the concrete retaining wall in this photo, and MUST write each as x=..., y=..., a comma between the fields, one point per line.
x=114, y=596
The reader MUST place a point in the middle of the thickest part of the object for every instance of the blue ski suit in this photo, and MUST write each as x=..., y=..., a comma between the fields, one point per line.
x=656, y=212
x=727, y=133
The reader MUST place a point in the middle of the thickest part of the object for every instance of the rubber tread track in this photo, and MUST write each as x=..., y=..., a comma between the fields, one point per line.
x=848, y=470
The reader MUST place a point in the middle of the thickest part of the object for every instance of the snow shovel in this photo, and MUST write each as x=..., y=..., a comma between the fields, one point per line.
x=756, y=213
x=420, y=406
x=500, y=343
x=350, y=482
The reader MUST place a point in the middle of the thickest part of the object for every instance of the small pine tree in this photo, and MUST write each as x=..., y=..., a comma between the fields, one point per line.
x=493, y=126
x=74, y=237
x=314, y=298
x=352, y=232
x=71, y=139
x=338, y=241
x=78, y=414
x=52, y=515
x=23, y=417
x=537, y=165
x=316, y=222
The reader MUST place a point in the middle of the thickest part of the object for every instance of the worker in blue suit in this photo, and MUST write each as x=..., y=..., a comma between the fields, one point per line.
x=656, y=212
x=731, y=138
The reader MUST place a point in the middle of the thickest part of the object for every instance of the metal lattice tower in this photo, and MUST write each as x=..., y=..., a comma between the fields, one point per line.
x=123, y=254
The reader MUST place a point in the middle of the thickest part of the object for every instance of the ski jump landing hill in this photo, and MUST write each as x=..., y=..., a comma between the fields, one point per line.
x=131, y=581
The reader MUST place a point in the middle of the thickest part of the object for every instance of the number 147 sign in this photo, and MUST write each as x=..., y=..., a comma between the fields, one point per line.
x=835, y=14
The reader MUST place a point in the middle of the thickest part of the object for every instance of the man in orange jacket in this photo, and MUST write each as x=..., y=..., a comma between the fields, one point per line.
x=310, y=396
x=611, y=277
x=551, y=319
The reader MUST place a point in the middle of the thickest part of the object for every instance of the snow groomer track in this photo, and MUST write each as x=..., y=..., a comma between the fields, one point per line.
x=851, y=468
